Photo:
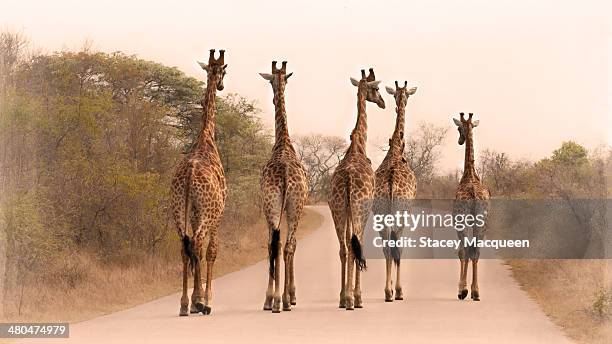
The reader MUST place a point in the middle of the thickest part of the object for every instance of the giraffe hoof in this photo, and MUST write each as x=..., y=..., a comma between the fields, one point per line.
x=475, y=296
x=462, y=294
x=193, y=309
x=184, y=311
x=287, y=306
x=293, y=302
x=267, y=308
x=206, y=310
x=399, y=295
x=388, y=296
x=276, y=311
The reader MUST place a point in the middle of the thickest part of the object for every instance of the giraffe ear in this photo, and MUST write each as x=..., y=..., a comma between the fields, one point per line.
x=411, y=91
x=390, y=90
x=266, y=76
x=373, y=84
x=288, y=76
x=203, y=65
x=475, y=123
x=457, y=122
x=354, y=82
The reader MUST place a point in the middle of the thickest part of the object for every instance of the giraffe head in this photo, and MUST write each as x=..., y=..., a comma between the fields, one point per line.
x=278, y=78
x=370, y=85
x=465, y=126
x=215, y=68
x=401, y=94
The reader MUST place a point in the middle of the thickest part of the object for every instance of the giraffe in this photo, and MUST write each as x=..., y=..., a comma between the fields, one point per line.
x=284, y=187
x=472, y=197
x=352, y=188
x=198, y=195
x=395, y=187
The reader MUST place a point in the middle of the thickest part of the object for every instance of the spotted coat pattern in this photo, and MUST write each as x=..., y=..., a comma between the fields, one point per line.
x=472, y=197
x=352, y=189
x=284, y=191
x=395, y=188
x=198, y=194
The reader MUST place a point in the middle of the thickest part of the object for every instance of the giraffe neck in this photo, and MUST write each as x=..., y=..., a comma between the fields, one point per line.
x=280, y=117
x=469, y=170
x=397, y=139
x=209, y=111
x=359, y=134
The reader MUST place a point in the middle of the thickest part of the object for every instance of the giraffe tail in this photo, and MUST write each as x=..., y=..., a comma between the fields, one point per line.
x=275, y=239
x=358, y=252
x=355, y=244
x=396, y=252
x=273, y=254
x=189, y=251
x=188, y=245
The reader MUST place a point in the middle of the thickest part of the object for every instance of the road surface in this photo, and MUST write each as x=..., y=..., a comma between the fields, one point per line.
x=429, y=313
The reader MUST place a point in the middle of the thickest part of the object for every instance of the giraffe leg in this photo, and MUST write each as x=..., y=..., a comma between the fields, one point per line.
x=292, y=297
x=475, y=255
x=289, y=291
x=464, y=260
x=388, y=283
x=294, y=212
x=343, y=262
x=397, y=259
x=276, y=300
x=350, y=267
x=398, y=287
x=357, y=289
x=184, y=298
x=463, y=278
x=196, y=295
x=270, y=291
x=211, y=256
x=475, y=292
x=285, y=297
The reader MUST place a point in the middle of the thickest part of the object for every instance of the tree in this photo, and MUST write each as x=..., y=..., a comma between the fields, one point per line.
x=580, y=183
x=422, y=150
x=502, y=175
x=320, y=155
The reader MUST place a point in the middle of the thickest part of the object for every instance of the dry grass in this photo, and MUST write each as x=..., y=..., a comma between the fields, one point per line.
x=103, y=289
x=567, y=290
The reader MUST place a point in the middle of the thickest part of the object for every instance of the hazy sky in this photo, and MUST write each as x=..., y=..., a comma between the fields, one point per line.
x=534, y=72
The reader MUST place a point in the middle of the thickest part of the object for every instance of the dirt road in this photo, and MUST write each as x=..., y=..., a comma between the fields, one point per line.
x=430, y=312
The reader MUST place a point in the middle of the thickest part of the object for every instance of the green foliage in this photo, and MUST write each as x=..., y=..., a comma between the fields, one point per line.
x=570, y=153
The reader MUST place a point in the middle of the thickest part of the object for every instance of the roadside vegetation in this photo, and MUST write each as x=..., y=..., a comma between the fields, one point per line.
x=88, y=144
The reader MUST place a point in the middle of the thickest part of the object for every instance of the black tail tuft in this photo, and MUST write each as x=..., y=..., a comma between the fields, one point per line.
x=396, y=254
x=356, y=246
x=273, y=254
x=189, y=252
